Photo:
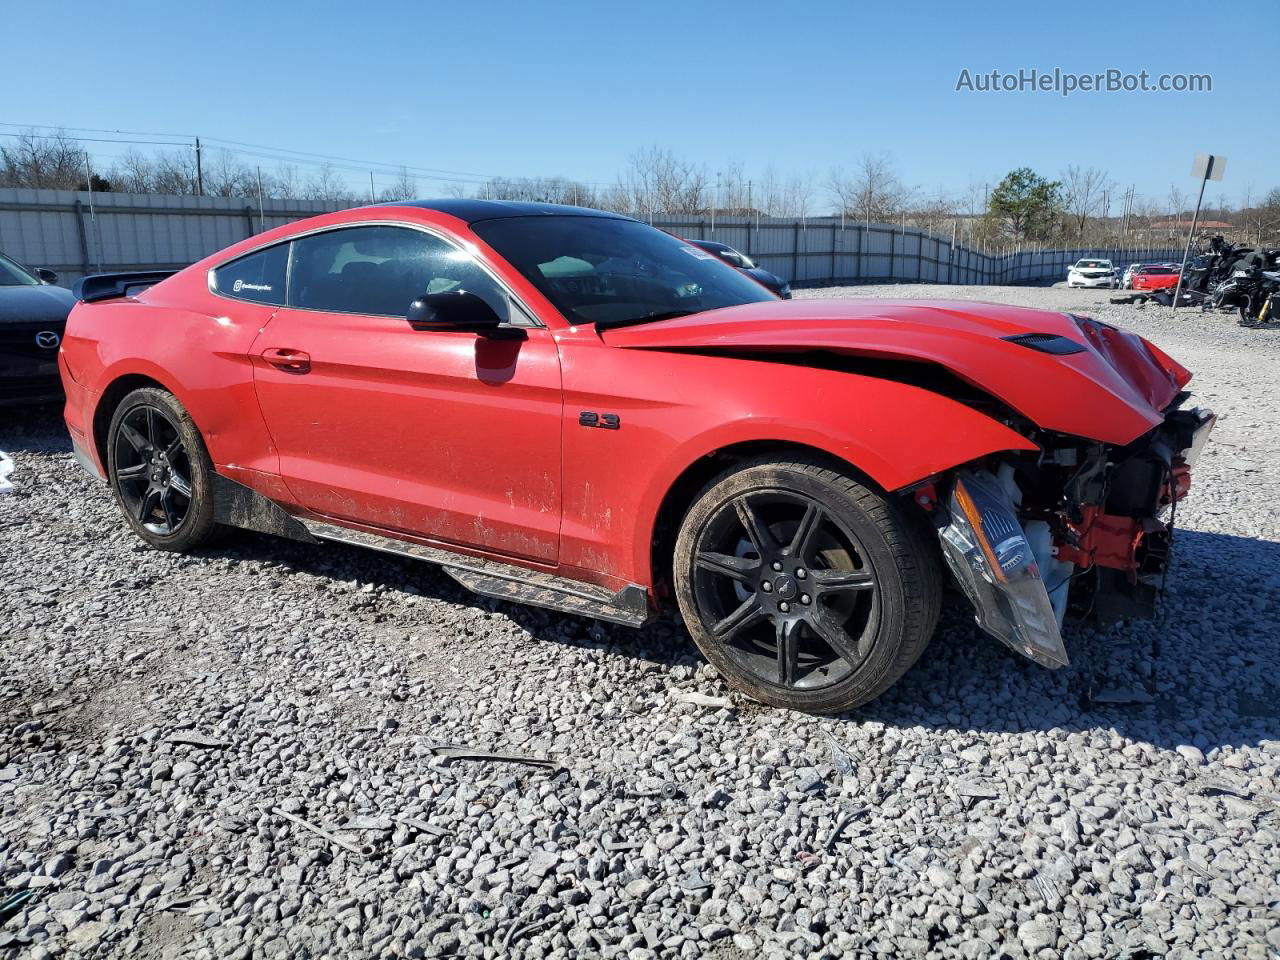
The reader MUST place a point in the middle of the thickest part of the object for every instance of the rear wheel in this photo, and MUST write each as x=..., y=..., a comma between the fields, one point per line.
x=160, y=471
x=805, y=588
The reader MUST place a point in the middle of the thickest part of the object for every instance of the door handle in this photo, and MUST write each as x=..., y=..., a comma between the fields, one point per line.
x=292, y=361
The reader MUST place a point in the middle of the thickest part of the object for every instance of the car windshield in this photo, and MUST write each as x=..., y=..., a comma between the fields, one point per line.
x=1163, y=271
x=1094, y=265
x=613, y=272
x=12, y=275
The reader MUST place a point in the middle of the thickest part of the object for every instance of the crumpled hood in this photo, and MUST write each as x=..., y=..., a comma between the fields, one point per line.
x=35, y=304
x=1113, y=391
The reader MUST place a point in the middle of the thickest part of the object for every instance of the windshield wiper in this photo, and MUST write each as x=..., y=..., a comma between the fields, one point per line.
x=643, y=318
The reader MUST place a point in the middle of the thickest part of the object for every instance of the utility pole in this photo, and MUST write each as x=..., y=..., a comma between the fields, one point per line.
x=372, y=197
x=262, y=219
x=93, y=216
x=715, y=201
x=199, y=171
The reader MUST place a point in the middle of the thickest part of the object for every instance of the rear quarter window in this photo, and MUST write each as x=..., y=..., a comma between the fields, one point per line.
x=258, y=277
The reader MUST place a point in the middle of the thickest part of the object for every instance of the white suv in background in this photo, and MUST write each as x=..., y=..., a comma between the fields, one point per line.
x=1091, y=273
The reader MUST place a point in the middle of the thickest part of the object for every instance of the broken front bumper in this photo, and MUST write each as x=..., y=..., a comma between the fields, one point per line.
x=992, y=559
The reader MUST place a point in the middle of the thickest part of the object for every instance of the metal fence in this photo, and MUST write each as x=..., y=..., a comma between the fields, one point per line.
x=76, y=233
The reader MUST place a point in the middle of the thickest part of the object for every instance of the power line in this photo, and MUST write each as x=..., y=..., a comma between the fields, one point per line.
x=280, y=154
x=139, y=133
x=38, y=136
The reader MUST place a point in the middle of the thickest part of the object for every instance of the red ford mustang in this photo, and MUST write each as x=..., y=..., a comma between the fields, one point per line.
x=573, y=409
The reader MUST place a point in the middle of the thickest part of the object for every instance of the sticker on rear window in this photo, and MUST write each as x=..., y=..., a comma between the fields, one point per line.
x=697, y=252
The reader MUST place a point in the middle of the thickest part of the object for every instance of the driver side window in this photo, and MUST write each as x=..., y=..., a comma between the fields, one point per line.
x=380, y=270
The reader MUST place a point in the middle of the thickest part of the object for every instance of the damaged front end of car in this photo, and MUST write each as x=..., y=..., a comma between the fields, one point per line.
x=1079, y=529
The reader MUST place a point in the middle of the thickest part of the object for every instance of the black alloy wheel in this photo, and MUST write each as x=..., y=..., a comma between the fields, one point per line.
x=804, y=587
x=160, y=470
x=153, y=470
x=786, y=588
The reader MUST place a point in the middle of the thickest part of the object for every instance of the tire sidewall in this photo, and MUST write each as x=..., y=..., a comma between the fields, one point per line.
x=892, y=621
x=199, y=520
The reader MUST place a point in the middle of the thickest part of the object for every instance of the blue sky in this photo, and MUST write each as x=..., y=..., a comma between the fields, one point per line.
x=573, y=88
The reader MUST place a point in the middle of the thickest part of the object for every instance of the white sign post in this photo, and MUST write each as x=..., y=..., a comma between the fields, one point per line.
x=1207, y=166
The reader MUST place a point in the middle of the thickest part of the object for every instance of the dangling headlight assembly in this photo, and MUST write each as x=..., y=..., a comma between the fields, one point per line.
x=993, y=561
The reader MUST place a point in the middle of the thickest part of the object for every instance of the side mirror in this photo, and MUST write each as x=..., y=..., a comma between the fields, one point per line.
x=47, y=276
x=456, y=310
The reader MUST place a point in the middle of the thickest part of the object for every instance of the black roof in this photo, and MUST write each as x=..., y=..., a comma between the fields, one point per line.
x=473, y=211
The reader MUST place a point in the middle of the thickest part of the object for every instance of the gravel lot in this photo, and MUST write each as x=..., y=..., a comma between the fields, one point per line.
x=168, y=717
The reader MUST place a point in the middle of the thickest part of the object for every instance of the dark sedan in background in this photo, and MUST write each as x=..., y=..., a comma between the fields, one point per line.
x=736, y=258
x=33, y=314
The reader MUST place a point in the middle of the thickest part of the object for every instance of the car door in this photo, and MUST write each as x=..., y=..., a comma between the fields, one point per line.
x=447, y=435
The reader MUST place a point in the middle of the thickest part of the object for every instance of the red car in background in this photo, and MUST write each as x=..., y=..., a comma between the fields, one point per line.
x=569, y=408
x=1155, y=277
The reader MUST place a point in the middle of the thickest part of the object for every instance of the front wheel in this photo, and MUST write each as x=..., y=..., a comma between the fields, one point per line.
x=160, y=471
x=806, y=589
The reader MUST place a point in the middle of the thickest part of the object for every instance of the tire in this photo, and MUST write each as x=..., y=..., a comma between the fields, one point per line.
x=803, y=587
x=160, y=471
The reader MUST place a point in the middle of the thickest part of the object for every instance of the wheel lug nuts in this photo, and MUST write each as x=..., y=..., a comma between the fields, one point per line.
x=804, y=598
x=777, y=565
x=800, y=573
x=767, y=587
x=784, y=606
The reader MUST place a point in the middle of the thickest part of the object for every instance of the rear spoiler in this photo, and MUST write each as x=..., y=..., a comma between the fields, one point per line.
x=107, y=286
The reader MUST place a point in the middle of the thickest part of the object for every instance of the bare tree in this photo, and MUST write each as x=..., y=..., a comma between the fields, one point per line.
x=539, y=190
x=1083, y=190
x=49, y=162
x=404, y=187
x=328, y=186
x=285, y=182
x=655, y=180
x=933, y=212
x=872, y=192
x=1177, y=202
x=133, y=172
x=226, y=176
x=1269, y=216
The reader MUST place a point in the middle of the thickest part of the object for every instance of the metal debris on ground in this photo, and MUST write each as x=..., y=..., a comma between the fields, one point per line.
x=840, y=758
x=12, y=904
x=381, y=824
x=1186, y=861
x=701, y=699
x=319, y=831
x=449, y=752
x=515, y=931
x=422, y=826
x=191, y=738
x=839, y=828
